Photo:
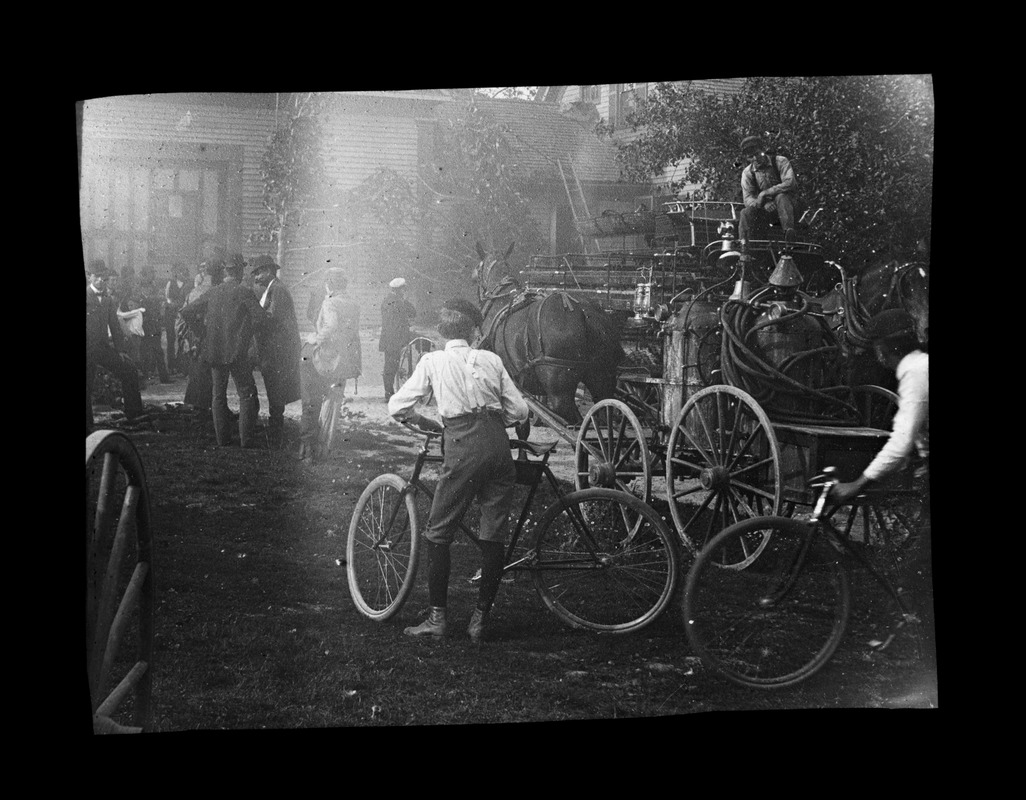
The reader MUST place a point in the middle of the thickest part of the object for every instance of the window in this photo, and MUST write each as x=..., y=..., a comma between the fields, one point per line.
x=591, y=94
x=628, y=97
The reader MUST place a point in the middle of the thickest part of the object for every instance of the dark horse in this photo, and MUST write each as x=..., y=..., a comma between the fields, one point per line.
x=860, y=297
x=549, y=342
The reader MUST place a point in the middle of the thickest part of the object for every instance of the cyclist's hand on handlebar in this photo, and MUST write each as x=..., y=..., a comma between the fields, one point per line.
x=842, y=493
x=426, y=423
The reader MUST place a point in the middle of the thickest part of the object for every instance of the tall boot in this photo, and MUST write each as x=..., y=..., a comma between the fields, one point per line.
x=434, y=626
x=249, y=411
x=492, y=559
x=478, y=628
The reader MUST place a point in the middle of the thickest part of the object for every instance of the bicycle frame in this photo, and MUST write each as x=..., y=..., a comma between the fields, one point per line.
x=820, y=523
x=524, y=465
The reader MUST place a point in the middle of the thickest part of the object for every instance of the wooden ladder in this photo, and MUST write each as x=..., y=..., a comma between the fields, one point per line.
x=578, y=218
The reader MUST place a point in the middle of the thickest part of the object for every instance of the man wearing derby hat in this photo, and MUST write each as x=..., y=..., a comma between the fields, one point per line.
x=396, y=315
x=278, y=344
x=230, y=316
x=768, y=187
x=105, y=344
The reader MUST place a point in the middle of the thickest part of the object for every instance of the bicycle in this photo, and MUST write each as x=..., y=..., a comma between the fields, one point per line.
x=408, y=359
x=778, y=618
x=600, y=559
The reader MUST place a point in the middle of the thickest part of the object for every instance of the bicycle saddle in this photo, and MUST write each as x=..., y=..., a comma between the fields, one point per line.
x=534, y=448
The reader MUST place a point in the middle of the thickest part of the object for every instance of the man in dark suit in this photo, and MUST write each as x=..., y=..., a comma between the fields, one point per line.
x=105, y=344
x=396, y=315
x=278, y=345
x=230, y=315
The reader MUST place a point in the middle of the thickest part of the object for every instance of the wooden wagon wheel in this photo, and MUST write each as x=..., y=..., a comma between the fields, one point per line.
x=119, y=583
x=893, y=515
x=722, y=466
x=612, y=451
x=876, y=405
x=408, y=360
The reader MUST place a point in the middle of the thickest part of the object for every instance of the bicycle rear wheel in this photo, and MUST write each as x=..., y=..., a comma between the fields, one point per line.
x=605, y=561
x=381, y=552
x=775, y=622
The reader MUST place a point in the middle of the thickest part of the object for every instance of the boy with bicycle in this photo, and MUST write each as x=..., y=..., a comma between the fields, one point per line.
x=477, y=401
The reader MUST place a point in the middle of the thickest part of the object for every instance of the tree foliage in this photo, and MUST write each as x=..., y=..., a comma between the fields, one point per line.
x=428, y=222
x=292, y=168
x=477, y=187
x=511, y=92
x=861, y=147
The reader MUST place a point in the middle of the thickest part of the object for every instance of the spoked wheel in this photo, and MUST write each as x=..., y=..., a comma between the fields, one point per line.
x=722, y=465
x=119, y=589
x=640, y=396
x=612, y=452
x=329, y=419
x=381, y=553
x=891, y=520
x=605, y=561
x=408, y=360
x=776, y=622
x=876, y=405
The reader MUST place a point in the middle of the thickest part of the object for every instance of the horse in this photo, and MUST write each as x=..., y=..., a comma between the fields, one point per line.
x=858, y=298
x=549, y=342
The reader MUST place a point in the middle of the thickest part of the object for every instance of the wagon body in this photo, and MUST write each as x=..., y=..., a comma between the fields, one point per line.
x=707, y=413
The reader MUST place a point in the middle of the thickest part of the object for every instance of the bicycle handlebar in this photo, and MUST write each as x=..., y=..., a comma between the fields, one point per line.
x=419, y=430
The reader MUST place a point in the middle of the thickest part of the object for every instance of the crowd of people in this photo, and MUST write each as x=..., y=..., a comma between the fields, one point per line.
x=224, y=323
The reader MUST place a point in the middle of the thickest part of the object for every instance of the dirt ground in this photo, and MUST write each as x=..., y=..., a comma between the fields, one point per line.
x=227, y=651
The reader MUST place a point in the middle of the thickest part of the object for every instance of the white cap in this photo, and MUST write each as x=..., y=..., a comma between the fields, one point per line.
x=396, y=283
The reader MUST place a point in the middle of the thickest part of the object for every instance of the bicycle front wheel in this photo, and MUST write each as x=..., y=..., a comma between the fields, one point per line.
x=778, y=620
x=605, y=561
x=381, y=553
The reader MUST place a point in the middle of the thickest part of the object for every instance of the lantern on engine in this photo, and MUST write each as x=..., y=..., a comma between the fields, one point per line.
x=642, y=305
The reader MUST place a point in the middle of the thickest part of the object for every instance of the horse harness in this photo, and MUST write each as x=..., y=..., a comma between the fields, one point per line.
x=533, y=347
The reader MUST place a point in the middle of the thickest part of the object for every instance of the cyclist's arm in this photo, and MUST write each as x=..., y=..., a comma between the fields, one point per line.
x=402, y=406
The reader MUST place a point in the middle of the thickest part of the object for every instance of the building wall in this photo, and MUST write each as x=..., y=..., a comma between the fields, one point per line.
x=360, y=135
x=140, y=159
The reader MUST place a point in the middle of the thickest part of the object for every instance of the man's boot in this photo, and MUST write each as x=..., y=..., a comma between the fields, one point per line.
x=434, y=626
x=478, y=628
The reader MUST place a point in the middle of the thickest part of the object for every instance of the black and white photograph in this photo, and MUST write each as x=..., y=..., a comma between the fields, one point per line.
x=527, y=404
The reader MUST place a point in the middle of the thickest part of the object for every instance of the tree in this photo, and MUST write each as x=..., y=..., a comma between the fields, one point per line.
x=471, y=193
x=487, y=199
x=292, y=168
x=861, y=146
x=510, y=92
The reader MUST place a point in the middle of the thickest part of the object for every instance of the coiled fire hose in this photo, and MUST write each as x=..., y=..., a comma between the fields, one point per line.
x=784, y=398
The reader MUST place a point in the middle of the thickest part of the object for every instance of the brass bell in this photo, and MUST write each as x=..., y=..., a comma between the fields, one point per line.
x=786, y=274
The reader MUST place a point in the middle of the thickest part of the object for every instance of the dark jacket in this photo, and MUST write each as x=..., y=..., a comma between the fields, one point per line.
x=396, y=315
x=231, y=315
x=153, y=317
x=101, y=316
x=279, y=345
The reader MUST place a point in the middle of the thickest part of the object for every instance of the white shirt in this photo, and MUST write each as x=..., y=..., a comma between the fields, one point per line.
x=267, y=291
x=462, y=380
x=911, y=426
